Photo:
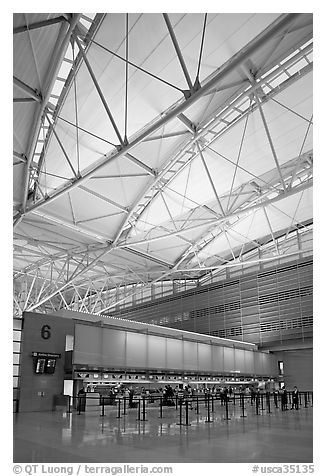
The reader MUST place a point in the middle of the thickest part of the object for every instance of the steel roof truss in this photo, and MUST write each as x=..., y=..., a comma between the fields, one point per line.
x=97, y=86
x=236, y=61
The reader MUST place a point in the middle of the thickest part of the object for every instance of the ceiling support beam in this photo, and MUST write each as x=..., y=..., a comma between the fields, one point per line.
x=271, y=230
x=187, y=122
x=128, y=62
x=262, y=115
x=61, y=146
x=97, y=86
x=23, y=100
x=140, y=164
x=62, y=43
x=20, y=157
x=39, y=24
x=32, y=93
x=270, y=140
x=142, y=254
x=69, y=281
x=71, y=226
x=219, y=221
x=294, y=174
x=237, y=262
x=105, y=199
x=160, y=175
x=210, y=178
x=178, y=51
x=278, y=26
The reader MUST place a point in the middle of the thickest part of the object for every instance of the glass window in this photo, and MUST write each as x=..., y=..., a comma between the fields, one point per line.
x=17, y=335
x=18, y=324
x=15, y=370
x=16, y=346
x=69, y=343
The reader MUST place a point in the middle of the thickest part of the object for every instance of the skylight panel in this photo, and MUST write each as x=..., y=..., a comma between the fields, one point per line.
x=38, y=148
x=53, y=100
x=64, y=70
x=68, y=54
x=85, y=22
x=297, y=66
x=57, y=88
x=278, y=80
x=90, y=15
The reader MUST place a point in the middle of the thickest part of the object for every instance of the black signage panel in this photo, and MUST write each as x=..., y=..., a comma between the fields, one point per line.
x=46, y=355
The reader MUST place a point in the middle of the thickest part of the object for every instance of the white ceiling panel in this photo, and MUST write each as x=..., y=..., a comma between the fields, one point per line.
x=207, y=178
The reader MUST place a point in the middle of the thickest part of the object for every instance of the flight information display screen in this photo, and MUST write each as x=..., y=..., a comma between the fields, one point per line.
x=40, y=366
x=44, y=366
x=50, y=366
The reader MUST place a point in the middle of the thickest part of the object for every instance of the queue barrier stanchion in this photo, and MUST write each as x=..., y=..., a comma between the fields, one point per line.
x=233, y=399
x=262, y=401
x=79, y=405
x=161, y=407
x=180, y=413
x=144, y=412
x=208, y=419
x=205, y=398
x=268, y=403
x=242, y=405
x=212, y=397
x=138, y=418
x=69, y=406
x=176, y=403
x=197, y=405
x=124, y=406
x=187, y=414
x=119, y=408
x=102, y=405
x=305, y=400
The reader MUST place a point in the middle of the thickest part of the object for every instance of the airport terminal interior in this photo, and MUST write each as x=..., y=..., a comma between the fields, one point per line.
x=163, y=227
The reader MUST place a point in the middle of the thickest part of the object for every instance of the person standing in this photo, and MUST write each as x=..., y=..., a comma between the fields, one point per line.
x=252, y=396
x=284, y=399
x=275, y=395
x=295, y=398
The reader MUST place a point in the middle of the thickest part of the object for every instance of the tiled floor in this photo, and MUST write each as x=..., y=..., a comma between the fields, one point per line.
x=71, y=438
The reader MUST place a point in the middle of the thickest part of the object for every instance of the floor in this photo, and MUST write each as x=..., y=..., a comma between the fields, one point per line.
x=52, y=437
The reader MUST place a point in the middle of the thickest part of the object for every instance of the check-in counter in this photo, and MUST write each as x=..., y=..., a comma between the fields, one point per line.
x=92, y=401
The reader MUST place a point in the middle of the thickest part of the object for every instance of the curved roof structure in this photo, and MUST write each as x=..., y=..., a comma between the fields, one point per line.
x=153, y=148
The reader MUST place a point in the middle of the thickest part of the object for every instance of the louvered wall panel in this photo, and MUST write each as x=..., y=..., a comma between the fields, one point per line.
x=259, y=307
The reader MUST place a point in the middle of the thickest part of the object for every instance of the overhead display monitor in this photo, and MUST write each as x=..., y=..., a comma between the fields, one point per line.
x=50, y=366
x=40, y=366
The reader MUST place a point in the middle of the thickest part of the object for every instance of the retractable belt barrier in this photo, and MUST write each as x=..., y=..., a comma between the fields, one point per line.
x=119, y=408
x=191, y=402
x=227, y=409
x=242, y=405
x=208, y=419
